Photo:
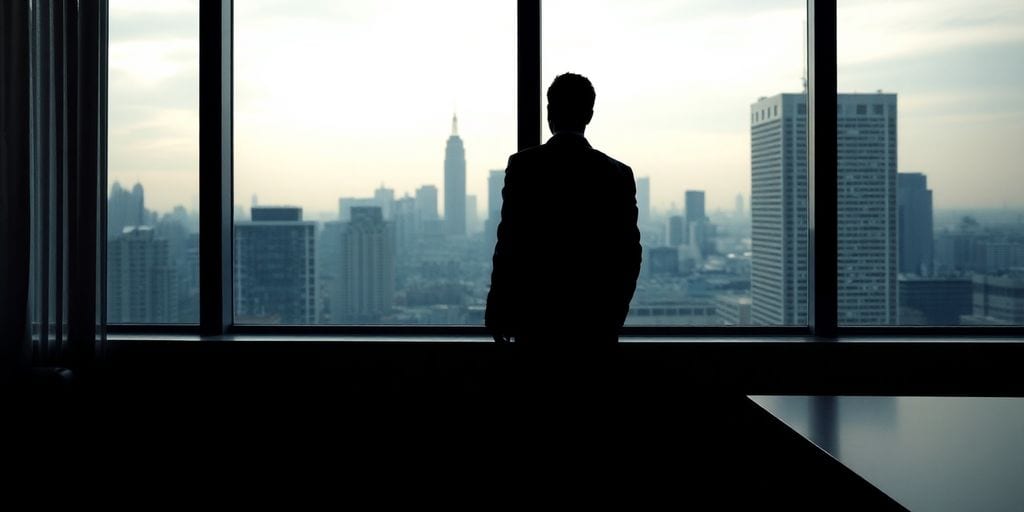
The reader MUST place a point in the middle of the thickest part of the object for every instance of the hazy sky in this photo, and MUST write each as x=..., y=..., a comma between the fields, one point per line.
x=335, y=98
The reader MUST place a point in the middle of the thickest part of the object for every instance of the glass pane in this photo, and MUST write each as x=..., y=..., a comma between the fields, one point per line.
x=153, y=202
x=361, y=199
x=931, y=119
x=705, y=102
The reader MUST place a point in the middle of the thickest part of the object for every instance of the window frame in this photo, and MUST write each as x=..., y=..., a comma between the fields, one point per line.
x=216, y=199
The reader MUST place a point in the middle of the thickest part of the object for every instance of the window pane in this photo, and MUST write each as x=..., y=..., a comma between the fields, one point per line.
x=931, y=219
x=705, y=102
x=153, y=148
x=360, y=198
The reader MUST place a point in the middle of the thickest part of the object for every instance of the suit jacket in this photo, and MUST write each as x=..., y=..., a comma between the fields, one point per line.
x=568, y=250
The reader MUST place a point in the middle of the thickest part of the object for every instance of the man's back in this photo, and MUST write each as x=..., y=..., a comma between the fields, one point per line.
x=568, y=250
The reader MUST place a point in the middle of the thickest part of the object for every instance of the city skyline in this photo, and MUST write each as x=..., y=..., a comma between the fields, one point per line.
x=957, y=111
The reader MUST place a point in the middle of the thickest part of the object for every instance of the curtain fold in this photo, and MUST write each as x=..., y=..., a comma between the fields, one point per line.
x=14, y=184
x=53, y=197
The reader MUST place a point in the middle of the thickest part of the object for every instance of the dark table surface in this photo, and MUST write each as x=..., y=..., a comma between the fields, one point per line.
x=927, y=453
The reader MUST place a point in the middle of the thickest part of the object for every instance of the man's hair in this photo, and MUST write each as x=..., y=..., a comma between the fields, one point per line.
x=572, y=97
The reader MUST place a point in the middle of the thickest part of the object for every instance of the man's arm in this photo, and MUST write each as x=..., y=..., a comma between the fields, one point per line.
x=632, y=250
x=496, y=317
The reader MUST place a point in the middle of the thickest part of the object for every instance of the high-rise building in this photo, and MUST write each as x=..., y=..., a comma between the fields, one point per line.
x=867, y=250
x=643, y=200
x=778, y=206
x=695, y=206
x=867, y=266
x=998, y=299
x=934, y=300
x=426, y=203
x=404, y=221
x=472, y=216
x=740, y=213
x=141, y=282
x=385, y=198
x=125, y=209
x=365, y=286
x=915, y=232
x=677, y=233
x=455, y=183
x=495, y=184
x=275, y=267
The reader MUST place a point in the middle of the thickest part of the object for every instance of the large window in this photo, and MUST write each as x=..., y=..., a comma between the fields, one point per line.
x=706, y=103
x=369, y=139
x=370, y=145
x=930, y=124
x=153, y=201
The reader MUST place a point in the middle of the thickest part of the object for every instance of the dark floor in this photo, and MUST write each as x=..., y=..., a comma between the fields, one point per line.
x=564, y=432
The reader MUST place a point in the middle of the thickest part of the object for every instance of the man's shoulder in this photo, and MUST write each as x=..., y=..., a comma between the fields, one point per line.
x=547, y=152
x=611, y=161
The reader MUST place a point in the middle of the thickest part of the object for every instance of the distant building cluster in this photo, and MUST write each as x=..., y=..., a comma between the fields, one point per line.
x=405, y=260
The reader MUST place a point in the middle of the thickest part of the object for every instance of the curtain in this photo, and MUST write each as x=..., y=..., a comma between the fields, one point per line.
x=54, y=95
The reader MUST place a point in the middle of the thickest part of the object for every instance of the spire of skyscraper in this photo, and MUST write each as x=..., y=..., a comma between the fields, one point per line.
x=455, y=125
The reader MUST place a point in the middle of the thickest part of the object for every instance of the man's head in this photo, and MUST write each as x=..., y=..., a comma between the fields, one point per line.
x=570, y=103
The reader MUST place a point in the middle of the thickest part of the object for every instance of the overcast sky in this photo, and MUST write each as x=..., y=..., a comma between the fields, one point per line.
x=336, y=98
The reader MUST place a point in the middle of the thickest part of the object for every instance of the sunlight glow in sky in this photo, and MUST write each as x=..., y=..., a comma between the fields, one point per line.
x=336, y=98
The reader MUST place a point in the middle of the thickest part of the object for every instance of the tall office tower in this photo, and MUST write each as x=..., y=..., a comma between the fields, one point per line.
x=125, y=209
x=695, y=206
x=915, y=233
x=495, y=184
x=677, y=232
x=778, y=206
x=365, y=287
x=275, y=267
x=472, y=216
x=643, y=200
x=426, y=203
x=866, y=209
x=739, y=206
x=385, y=198
x=998, y=299
x=404, y=221
x=868, y=286
x=455, y=183
x=328, y=267
x=934, y=300
x=141, y=282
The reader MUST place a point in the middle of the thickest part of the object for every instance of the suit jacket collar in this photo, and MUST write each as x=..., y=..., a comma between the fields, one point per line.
x=569, y=139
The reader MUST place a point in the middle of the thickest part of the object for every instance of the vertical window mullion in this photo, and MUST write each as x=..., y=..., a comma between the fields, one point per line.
x=529, y=80
x=215, y=165
x=822, y=155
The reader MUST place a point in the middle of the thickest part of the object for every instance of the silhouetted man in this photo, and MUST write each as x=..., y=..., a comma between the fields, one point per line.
x=568, y=251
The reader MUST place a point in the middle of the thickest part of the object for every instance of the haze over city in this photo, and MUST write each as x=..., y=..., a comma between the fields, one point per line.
x=674, y=82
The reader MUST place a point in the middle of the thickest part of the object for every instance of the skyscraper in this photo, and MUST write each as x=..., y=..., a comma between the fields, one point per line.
x=866, y=209
x=695, y=206
x=125, y=209
x=141, y=281
x=643, y=200
x=778, y=205
x=677, y=233
x=426, y=203
x=740, y=206
x=915, y=232
x=455, y=183
x=495, y=183
x=365, y=287
x=472, y=215
x=868, y=286
x=275, y=267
